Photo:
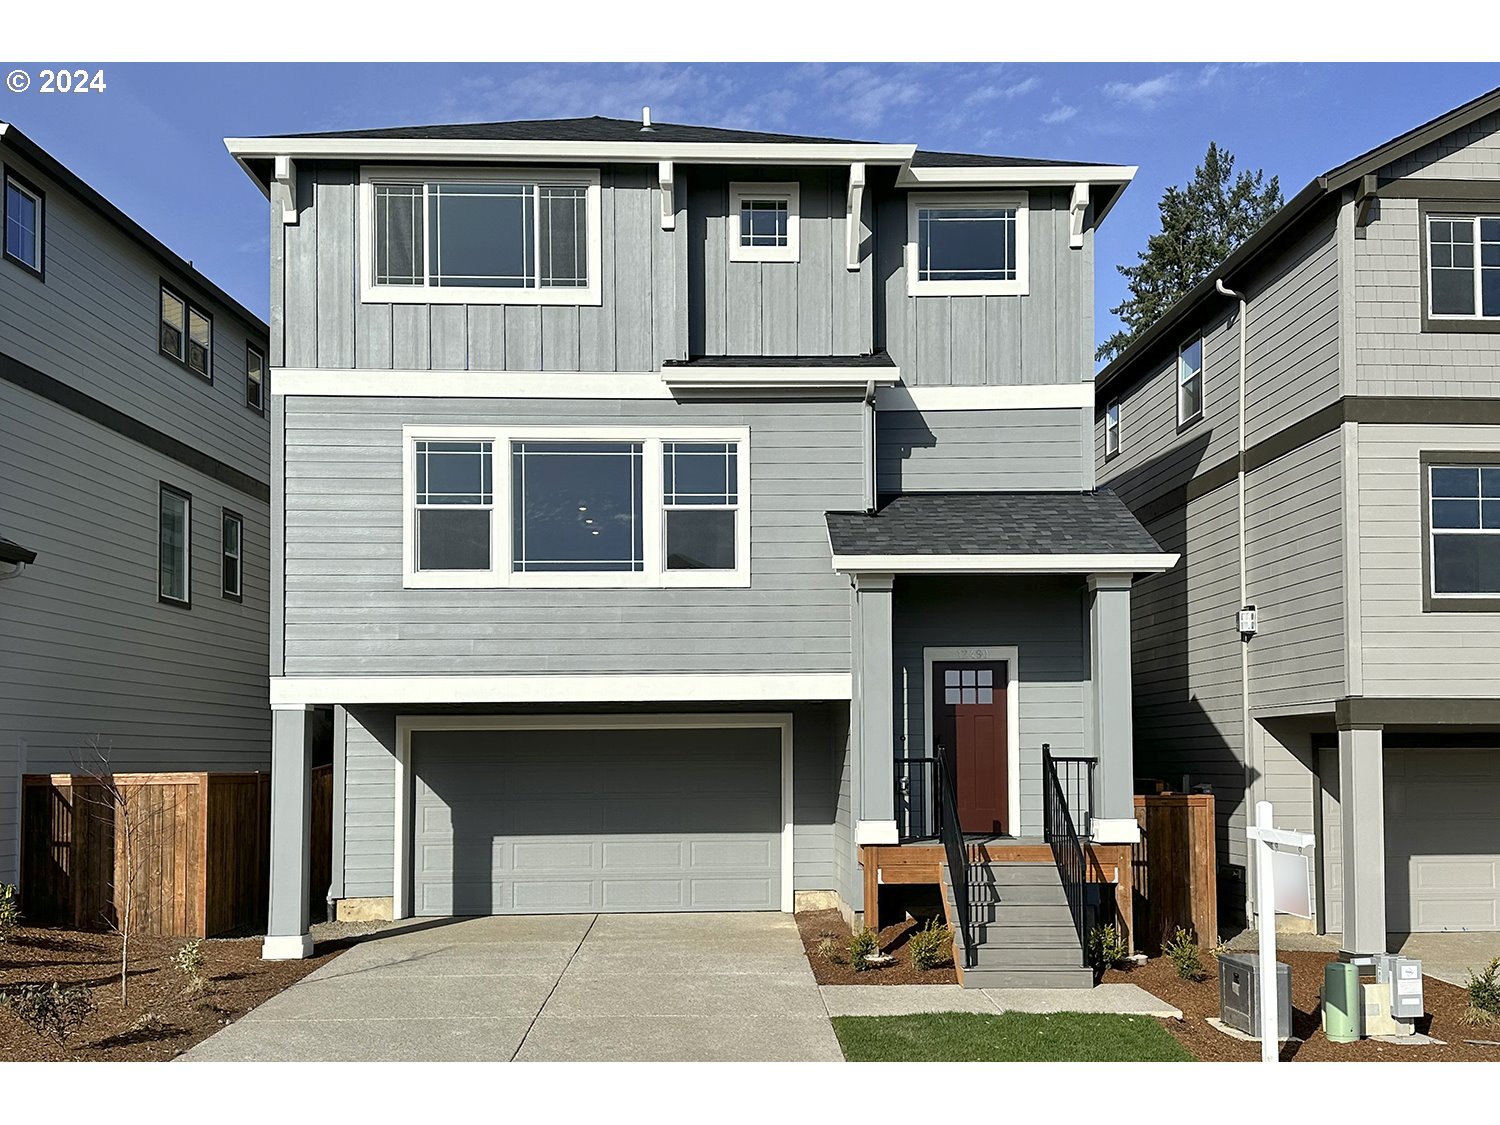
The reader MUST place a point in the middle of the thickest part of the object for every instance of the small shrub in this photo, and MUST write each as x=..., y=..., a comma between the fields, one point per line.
x=1185, y=956
x=828, y=949
x=50, y=1010
x=931, y=946
x=862, y=946
x=1106, y=946
x=189, y=962
x=1484, y=995
x=10, y=912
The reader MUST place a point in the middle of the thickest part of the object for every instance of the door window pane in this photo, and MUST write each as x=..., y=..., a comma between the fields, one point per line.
x=576, y=507
x=966, y=244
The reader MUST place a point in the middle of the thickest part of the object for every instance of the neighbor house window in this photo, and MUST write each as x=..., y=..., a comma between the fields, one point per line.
x=577, y=507
x=187, y=333
x=480, y=237
x=174, y=545
x=1190, y=382
x=700, y=498
x=1112, y=429
x=1464, y=517
x=1463, y=262
x=255, y=378
x=972, y=243
x=23, y=223
x=232, y=554
x=455, y=500
x=763, y=222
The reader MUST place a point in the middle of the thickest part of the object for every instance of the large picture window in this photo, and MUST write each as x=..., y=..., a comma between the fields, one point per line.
x=1464, y=521
x=1463, y=266
x=576, y=507
x=482, y=237
x=967, y=244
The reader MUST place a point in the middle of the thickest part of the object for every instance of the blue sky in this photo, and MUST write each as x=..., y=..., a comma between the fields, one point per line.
x=152, y=142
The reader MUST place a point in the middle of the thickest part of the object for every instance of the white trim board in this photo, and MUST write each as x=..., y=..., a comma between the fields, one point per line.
x=663, y=687
x=1054, y=396
x=978, y=175
x=1011, y=655
x=406, y=724
x=468, y=384
x=1006, y=564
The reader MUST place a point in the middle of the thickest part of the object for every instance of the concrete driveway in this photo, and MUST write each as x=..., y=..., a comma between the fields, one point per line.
x=607, y=987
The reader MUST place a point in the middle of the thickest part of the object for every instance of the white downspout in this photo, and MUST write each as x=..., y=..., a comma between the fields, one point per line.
x=1239, y=478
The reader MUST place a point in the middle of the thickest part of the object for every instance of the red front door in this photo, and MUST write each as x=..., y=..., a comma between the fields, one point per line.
x=968, y=724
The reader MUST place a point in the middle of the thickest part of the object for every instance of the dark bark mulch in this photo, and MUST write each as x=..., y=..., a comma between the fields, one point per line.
x=1200, y=999
x=158, y=1021
x=818, y=924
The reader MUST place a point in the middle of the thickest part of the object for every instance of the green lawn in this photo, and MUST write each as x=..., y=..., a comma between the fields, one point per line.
x=1009, y=1037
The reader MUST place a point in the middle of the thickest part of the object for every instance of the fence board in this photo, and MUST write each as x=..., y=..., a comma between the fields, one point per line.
x=1175, y=869
x=322, y=839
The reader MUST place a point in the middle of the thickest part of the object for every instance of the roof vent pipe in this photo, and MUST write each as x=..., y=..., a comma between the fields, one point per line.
x=646, y=119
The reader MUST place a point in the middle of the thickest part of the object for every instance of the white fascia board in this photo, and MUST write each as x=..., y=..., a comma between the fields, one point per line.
x=1006, y=564
x=588, y=688
x=1040, y=396
x=1061, y=175
x=611, y=152
x=779, y=378
x=468, y=384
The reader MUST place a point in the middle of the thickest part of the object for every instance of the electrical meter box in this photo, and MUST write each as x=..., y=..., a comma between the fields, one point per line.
x=1404, y=976
x=1239, y=994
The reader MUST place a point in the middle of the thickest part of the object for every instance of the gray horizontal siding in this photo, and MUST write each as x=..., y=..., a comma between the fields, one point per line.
x=346, y=611
x=981, y=450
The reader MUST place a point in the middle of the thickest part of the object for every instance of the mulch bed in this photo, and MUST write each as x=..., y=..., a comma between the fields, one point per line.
x=815, y=925
x=157, y=1022
x=1199, y=1000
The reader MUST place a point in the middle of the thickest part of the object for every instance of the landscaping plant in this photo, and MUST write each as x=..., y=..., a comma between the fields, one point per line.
x=1185, y=956
x=931, y=946
x=50, y=1010
x=10, y=912
x=1106, y=947
x=862, y=946
x=189, y=962
x=828, y=949
x=1484, y=995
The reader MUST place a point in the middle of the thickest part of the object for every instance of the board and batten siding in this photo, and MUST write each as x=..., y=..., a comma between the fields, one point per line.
x=347, y=613
x=1045, y=336
x=370, y=793
x=982, y=450
x=320, y=321
x=814, y=306
x=1045, y=618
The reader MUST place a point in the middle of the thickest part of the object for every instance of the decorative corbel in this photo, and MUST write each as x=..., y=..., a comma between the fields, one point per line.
x=854, y=207
x=1076, y=213
x=1364, y=202
x=286, y=180
x=664, y=179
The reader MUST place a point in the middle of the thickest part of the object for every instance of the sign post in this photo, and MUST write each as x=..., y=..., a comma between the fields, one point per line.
x=1268, y=842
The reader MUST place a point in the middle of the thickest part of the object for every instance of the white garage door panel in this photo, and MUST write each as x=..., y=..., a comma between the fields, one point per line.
x=607, y=820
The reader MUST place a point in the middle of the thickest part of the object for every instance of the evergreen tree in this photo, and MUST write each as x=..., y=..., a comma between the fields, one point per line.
x=1201, y=225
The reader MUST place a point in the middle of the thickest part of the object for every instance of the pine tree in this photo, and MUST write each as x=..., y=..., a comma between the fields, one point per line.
x=1201, y=225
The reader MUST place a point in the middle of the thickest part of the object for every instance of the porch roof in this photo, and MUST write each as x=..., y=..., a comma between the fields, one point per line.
x=996, y=532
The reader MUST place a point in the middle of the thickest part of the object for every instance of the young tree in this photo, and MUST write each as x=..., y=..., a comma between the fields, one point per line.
x=1201, y=225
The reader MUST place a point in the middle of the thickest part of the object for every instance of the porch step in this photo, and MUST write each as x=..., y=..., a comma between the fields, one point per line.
x=1028, y=978
x=1003, y=936
x=1014, y=874
x=1024, y=932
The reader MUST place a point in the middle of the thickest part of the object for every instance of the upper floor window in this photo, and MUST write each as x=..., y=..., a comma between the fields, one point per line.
x=187, y=333
x=763, y=221
x=481, y=237
x=232, y=555
x=1190, y=381
x=174, y=545
x=1112, y=429
x=973, y=243
x=595, y=507
x=255, y=378
x=1463, y=262
x=1464, y=518
x=23, y=223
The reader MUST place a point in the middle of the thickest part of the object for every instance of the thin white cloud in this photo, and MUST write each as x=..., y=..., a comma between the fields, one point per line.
x=1060, y=114
x=1146, y=94
x=993, y=92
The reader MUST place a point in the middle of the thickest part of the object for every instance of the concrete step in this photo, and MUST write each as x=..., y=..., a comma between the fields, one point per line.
x=1028, y=978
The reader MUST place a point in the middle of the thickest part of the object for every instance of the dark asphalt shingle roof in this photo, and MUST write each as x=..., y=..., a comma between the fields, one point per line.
x=872, y=359
x=926, y=158
x=576, y=129
x=993, y=523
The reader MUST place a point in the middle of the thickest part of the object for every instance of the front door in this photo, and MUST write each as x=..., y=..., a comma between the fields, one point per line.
x=968, y=725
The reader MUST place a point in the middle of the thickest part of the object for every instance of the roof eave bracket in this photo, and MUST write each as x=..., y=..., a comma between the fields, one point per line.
x=853, y=209
x=1077, y=212
x=285, y=194
x=1364, y=202
x=665, y=174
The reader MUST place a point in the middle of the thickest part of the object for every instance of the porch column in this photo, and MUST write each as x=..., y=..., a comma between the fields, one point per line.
x=1362, y=820
x=1114, y=741
x=874, y=718
x=287, y=938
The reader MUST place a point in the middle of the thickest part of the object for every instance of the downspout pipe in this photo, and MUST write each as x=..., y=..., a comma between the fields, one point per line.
x=1239, y=484
x=870, y=454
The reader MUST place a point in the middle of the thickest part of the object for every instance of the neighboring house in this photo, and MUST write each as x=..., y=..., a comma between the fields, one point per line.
x=1340, y=474
x=579, y=427
x=134, y=504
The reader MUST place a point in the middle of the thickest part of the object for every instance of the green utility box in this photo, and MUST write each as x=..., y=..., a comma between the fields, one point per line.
x=1343, y=1005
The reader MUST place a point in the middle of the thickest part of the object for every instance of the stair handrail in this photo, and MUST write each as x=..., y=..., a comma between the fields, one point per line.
x=958, y=858
x=1067, y=848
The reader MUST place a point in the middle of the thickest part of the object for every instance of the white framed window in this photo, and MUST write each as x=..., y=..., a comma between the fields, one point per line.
x=480, y=236
x=23, y=223
x=1463, y=267
x=1190, y=381
x=972, y=243
x=576, y=507
x=1112, y=429
x=763, y=222
x=1464, y=523
x=232, y=555
x=174, y=539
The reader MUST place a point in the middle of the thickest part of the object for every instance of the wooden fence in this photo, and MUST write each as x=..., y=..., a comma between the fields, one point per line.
x=1175, y=869
x=198, y=854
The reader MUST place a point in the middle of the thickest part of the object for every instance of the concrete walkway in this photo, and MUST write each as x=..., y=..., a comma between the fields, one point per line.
x=917, y=999
x=609, y=987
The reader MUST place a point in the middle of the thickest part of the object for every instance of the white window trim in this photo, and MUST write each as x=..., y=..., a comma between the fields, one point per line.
x=406, y=724
x=1182, y=419
x=424, y=294
x=1433, y=531
x=654, y=575
x=38, y=245
x=738, y=193
x=1477, y=269
x=1113, y=420
x=1017, y=288
x=1011, y=655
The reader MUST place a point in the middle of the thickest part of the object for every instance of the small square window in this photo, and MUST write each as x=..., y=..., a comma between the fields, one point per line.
x=763, y=222
x=23, y=224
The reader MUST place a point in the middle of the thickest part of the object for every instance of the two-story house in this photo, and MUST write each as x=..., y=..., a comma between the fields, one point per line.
x=1316, y=428
x=134, y=497
x=644, y=496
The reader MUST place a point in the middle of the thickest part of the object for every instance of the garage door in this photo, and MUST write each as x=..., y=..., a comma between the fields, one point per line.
x=577, y=821
x=1442, y=836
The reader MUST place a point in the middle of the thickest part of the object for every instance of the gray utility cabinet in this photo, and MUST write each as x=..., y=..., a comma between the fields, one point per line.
x=1239, y=994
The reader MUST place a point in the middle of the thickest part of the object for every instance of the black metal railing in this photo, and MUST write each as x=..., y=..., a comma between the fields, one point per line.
x=1062, y=831
x=958, y=856
x=916, y=799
